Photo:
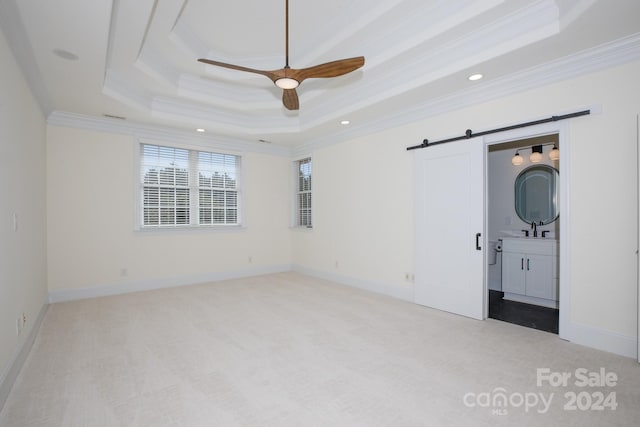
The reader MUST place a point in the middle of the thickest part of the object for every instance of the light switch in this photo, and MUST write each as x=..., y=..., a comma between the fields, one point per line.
x=15, y=222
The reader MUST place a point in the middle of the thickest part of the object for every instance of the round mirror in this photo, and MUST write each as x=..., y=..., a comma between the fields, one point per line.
x=537, y=194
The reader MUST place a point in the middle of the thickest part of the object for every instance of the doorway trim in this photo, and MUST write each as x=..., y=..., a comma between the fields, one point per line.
x=562, y=129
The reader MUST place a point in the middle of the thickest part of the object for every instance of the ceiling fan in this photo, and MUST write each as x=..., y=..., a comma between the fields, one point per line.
x=288, y=78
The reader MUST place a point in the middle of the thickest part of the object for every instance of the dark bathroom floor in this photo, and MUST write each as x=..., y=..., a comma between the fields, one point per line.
x=531, y=316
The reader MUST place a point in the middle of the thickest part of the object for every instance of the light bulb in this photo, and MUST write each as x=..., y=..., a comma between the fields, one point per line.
x=535, y=157
x=517, y=160
x=554, y=154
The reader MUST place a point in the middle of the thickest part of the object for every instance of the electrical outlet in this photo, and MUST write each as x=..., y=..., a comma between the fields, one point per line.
x=337, y=265
x=15, y=222
x=124, y=272
x=250, y=259
x=24, y=319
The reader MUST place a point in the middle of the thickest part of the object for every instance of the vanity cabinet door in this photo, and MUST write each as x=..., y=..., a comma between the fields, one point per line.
x=539, y=272
x=513, y=272
x=529, y=271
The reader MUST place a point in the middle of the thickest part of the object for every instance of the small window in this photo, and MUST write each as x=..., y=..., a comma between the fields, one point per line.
x=181, y=187
x=303, y=193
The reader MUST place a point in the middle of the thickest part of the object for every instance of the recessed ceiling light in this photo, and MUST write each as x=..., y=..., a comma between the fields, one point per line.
x=65, y=54
x=200, y=130
x=474, y=77
x=345, y=122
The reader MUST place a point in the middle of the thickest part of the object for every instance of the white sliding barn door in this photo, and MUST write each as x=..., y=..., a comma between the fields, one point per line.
x=449, y=264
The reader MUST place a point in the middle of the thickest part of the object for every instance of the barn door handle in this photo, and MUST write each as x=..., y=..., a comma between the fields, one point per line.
x=478, y=248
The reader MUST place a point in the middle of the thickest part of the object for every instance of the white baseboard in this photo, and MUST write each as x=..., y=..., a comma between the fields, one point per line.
x=601, y=339
x=589, y=336
x=9, y=376
x=404, y=293
x=159, y=283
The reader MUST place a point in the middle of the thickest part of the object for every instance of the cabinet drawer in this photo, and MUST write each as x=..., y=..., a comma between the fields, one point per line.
x=536, y=246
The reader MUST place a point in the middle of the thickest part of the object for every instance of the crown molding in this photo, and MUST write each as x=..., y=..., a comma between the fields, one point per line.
x=515, y=31
x=220, y=94
x=256, y=123
x=257, y=111
x=138, y=130
x=605, y=56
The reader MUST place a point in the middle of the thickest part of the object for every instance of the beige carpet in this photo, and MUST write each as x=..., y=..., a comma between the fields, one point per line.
x=290, y=350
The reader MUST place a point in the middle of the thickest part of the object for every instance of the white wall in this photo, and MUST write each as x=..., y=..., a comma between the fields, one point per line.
x=363, y=191
x=363, y=209
x=23, y=286
x=91, y=236
x=362, y=215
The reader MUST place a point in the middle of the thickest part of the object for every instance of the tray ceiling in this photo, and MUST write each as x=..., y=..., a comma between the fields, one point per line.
x=137, y=59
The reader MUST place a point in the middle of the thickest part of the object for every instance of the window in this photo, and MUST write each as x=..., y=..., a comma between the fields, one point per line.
x=183, y=187
x=217, y=188
x=303, y=193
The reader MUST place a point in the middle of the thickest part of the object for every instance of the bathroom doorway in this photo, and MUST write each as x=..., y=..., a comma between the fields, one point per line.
x=523, y=232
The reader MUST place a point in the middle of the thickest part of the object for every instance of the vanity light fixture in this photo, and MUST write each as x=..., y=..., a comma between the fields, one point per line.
x=517, y=160
x=536, y=154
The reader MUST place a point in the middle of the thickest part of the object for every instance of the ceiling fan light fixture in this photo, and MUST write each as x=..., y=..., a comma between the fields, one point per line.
x=287, y=83
x=288, y=78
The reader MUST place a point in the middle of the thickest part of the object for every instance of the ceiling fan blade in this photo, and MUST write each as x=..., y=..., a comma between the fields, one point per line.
x=290, y=78
x=328, y=69
x=290, y=99
x=269, y=74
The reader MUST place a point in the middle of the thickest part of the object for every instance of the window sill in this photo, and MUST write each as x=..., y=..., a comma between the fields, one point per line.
x=301, y=228
x=191, y=229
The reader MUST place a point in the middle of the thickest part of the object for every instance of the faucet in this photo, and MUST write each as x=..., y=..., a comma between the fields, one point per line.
x=534, y=226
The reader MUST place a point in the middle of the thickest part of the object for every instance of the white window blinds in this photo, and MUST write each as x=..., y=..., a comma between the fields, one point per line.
x=303, y=193
x=218, y=188
x=183, y=187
